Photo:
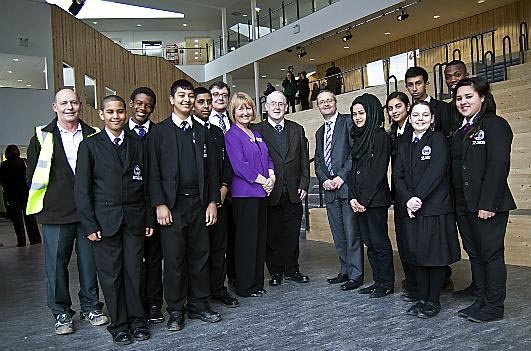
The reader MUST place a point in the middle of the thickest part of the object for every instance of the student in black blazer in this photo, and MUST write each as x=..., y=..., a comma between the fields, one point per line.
x=423, y=187
x=218, y=231
x=397, y=106
x=481, y=151
x=113, y=206
x=184, y=188
x=288, y=148
x=369, y=193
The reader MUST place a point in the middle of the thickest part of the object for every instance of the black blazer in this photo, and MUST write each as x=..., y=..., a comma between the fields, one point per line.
x=444, y=118
x=133, y=133
x=294, y=168
x=59, y=205
x=164, y=164
x=109, y=193
x=341, y=156
x=220, y=152
x=486, y=165
x=421, y=170
x=368, y=178
x=396, y=141
x=13, y=180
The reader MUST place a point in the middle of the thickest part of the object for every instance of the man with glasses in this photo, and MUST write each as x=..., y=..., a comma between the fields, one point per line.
x=288, y=148
x=332, y=164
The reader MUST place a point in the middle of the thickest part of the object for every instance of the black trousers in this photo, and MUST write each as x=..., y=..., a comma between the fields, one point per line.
x=250, y=217
x=185, y=246
x=483, y=240
x=430, y=282
x=151, y=287
x=409, y=270
x=373, y=227
x=218, y=249
x=17, y=214
x=291, y=102
x=283, y=231
x=118, y=263
x=231, y=233
x=305, y=103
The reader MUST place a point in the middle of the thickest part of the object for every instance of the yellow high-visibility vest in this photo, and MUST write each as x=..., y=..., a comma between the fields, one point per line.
x=41, y=176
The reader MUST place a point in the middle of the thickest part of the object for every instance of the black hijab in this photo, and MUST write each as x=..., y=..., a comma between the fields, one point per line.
x=364, y=137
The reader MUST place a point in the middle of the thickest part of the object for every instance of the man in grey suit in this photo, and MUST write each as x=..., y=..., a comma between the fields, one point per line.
x=332, y=164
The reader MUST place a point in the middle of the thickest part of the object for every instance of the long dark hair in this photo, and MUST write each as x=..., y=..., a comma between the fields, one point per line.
x=394, y=125
x=364, y=136
x=482, y=87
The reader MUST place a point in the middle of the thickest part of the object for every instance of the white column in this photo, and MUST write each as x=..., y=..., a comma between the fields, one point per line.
x=257, y=88
x=253, y=19
x=223, y=46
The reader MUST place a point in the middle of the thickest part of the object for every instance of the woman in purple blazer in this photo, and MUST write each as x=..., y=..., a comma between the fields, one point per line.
x=253, y=180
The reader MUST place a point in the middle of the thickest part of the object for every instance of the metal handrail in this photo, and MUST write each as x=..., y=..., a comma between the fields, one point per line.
x=440, y=65
x=453, y=54
x=523, y=40
x=485, y=63
x=508, y=39
x=387, y=83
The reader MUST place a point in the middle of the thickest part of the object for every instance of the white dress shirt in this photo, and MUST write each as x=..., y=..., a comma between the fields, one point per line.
x=132, y=125
x=214, y=119
x=179, y=121
x=112, y=137
x=419, y=136
x=273, y=123
x=71, y=141
x=332, y=126
x=402, y=129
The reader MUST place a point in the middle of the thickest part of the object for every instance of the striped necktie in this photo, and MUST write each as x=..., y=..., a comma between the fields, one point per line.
x=328, y=148
x=222, y=124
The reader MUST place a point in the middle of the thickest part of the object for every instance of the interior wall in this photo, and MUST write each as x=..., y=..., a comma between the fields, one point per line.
x=22, y=109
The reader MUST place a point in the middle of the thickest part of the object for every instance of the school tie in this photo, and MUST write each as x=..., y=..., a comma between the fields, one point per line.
x=416, y=140
x=465, y=128
x=328, y=148
x=185, y=126
x=117, y=141
x=279, y=128
x=222, y=124
x=141, y=130
x=207, y=125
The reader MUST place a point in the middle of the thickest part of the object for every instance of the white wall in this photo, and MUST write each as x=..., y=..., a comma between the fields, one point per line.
x=22, y=109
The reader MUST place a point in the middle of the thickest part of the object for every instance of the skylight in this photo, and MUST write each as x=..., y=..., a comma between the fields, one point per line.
x=107, y=9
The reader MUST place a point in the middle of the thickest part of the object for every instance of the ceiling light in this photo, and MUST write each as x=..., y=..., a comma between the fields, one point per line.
x=258, y=9
x=139, y=25
x=402, y=16
x=196, y=46
x=347, y=37
x=196, y=40
x=312, y=59
x=244, y=15
x=16, y=59
x=195, y=58
x=436, y=16
x=184, y=24
x=282, y=69
x=264, y=76
x=28, y=85
x=481, y=1
x=302, y=53
x=387, y=33
x=346, y=47
x=19, y=80
x=196, y=53
x=94, y=22
x=9, y=71
x=277, y=85
x=232, y=48
x=234, y=85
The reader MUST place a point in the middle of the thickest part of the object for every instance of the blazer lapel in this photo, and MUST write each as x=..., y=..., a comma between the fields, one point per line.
x=199, y=144
x=291, y=136
x=339, y=125
x=130, y=151
x=268, y=131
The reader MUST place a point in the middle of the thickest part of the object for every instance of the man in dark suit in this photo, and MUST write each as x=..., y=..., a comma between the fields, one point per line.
x=288, y=147
x=184, y=188
x=332, y=164
x=218, y=231
x=417, y=85
x=143, y=102
x=113, y=206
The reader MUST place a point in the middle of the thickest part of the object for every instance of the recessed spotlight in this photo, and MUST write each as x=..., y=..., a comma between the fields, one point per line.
x=184, y=24
x=387, y=33
x=282, y=69
x=244, y=15
x=264, y=76
x=312, y=59
x=139, y=25
x=195, y=58
x=28, y=85
x=196, y=40
x=232, y=48
x=234, y=85
x=258, y=9
x=94, y=22
x=19, y=80
x=196, y=46
x=277, y=85
x=16, y=59
x=196, y=53
x=436, y=16
x=481, y=1
x=9, y=71
x=346, y=47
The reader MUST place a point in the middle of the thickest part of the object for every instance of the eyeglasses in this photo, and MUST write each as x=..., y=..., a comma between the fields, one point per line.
x=276, y=104
x=327, y=101
x=223, y=95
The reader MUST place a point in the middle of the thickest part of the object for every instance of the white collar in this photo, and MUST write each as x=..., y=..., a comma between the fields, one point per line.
x=214, y=113
x=273, y=123
x=428, y=99
x=200, y=121
x=132, y=124
x=402, y=129
x=333, y=118
x=470, y=121
x=179, y=121
x=63, y=130
x=112, y=137
x=419, y=136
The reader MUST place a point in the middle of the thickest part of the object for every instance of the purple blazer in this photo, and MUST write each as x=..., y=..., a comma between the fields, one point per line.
x=248, y=159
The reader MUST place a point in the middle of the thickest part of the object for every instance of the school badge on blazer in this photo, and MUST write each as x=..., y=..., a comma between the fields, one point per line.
x=205, y=155
x=479, y=138
x=137, y=173
x=426, y=153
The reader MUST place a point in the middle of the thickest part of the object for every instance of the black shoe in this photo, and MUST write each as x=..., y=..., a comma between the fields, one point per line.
x=256, y=294
x=155, y=315
x=469, y=291
x=122, y=338
x=207, y=315
x=407, y=297
x=368, y=290
x=227, y=299
x=381, y=292
x=141, y=333
x=465, y=312
x=483, y=315
x=341, y=278
x=176, y=321
x=429, y=310
x=276, y=280
x=350, y=284
x=298, y=277
x=415, y=309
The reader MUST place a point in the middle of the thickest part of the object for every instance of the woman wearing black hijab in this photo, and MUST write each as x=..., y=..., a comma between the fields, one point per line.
x=369, y=193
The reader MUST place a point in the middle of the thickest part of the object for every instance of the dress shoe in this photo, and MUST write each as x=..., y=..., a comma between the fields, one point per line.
x=155, y=315
x=298, y=277
x=367, y=290
x=429, y=310
x=415, y=309
x=122, y=338
x=341, y=278
x=207, y=315
x=484, y=315
x=262, y=291
x=407, y=297
x=141, y=333
x=469, y=291
x=256, y=294
x=276, y=280
x=350, y=284
x=176, y=321
x=227, y=299
x=470, y=309
x=381, y=292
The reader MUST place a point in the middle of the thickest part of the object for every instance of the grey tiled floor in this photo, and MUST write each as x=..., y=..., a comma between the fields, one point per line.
x=314, y=316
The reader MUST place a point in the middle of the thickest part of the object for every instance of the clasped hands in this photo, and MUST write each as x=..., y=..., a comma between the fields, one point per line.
x=356, y=206
x=413, y=205
x=333, y=184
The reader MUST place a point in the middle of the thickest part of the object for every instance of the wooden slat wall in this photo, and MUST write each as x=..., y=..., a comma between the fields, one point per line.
x=506, y=20
x=91, y=53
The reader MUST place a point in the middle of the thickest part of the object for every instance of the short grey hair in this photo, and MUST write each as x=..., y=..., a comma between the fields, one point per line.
x=268, y=98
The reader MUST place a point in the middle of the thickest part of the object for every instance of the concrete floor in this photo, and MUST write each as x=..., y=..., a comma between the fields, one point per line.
x=313, y=316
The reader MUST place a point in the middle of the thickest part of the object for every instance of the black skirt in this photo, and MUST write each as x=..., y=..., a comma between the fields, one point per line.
x=432, y=240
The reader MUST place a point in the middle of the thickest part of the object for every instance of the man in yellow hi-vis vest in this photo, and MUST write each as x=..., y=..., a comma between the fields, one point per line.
x=52, y=155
